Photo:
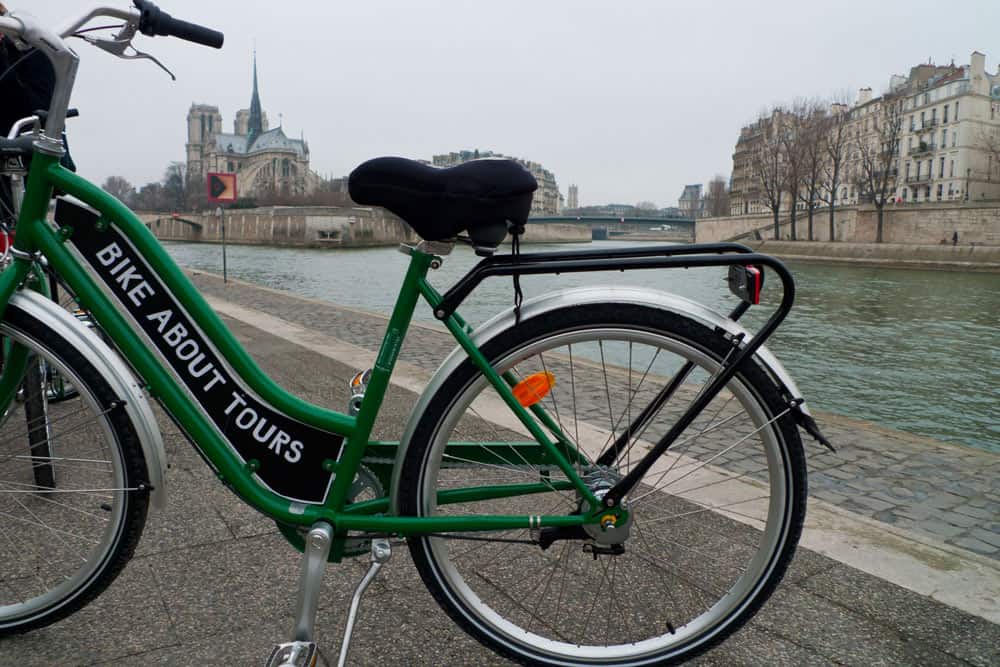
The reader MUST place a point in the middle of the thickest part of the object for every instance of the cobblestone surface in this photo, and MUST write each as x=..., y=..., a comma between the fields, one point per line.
x=213, y=583
x=946, y=492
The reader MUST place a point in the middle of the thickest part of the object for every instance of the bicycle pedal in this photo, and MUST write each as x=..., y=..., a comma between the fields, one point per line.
x=293, y=654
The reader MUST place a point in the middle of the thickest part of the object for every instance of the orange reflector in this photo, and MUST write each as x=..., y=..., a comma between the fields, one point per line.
x=533, y=388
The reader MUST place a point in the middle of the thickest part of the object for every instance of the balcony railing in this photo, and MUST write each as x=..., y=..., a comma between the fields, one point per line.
x=923, y=147
x=922, y=178
x=928, y=124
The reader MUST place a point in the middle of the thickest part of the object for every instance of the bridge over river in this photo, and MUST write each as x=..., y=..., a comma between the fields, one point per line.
x=631, y=228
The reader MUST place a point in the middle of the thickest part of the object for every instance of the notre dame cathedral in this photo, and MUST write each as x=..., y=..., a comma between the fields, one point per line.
x=265, y=161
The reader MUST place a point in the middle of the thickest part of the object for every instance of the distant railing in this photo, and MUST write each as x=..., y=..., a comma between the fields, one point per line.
x=923, y=147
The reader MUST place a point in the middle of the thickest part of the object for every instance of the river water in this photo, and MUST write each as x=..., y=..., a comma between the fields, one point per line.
x=913, y=350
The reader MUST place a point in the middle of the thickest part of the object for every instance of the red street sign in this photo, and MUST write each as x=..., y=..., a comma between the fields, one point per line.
x=221, y=187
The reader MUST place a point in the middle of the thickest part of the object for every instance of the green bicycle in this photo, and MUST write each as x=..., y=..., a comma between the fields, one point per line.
x=594, y=476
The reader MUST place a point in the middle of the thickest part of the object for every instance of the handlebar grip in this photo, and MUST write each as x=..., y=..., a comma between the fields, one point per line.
x=154, y=21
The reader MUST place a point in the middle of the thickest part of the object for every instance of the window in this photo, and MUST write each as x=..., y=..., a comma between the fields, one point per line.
x=951, y=169
x=941, y=169
x=930, y=169
x=940, y=191
x=907, y=171
x=912, y=124
x=918, y=169
x=923, y=123
x=944, y=138
x=956, y=109
x=934, y=115
x=910, y=145
x=954, y=136
x=945, y=119
x=904, y=191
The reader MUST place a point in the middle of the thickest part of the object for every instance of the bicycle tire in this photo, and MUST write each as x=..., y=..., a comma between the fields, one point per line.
x=484, y=587
x=36, y=408
x=61, y=547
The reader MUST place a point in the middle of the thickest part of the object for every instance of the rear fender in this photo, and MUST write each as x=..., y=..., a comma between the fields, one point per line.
x=596, y=295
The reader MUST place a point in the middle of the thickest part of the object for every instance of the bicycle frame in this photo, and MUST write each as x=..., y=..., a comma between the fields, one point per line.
x=100, y=258
x=339, y=441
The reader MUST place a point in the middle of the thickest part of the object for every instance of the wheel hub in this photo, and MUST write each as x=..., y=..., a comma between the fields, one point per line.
x=614, y=526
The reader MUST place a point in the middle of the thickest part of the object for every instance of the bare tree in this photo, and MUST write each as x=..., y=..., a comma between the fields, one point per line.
x=878, y=156
x=717, y=198
x=150, y=198
x=118, y=187
x=175, y=186
x=835, y=147
x=790, y=141
x=768, y=164
x=811, y=134
x=989, y=141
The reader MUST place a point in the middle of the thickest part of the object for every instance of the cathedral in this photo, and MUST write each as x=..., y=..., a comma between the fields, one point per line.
x=265, y=161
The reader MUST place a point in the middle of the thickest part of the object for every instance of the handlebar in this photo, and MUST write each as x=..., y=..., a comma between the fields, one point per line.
x=154, y=21
x=146, y=17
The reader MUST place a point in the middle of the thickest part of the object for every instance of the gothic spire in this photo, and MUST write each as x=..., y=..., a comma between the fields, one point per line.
x=256, y=124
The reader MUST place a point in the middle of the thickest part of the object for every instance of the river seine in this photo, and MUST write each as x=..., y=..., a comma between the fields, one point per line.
x=912, y=350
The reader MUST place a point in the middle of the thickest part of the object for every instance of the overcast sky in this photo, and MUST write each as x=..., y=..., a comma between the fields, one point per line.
x=629, y=100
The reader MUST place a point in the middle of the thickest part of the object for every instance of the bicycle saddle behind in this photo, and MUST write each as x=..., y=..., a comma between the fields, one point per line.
x=479, y=196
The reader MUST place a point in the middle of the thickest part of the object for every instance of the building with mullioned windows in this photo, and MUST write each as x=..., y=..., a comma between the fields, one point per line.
x=949, y=140
x=264, y=160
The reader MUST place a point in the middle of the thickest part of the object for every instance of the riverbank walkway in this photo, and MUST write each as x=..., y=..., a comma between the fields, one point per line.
x=899, y=563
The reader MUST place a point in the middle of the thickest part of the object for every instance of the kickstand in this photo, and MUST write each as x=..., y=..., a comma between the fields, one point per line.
x=381, y=552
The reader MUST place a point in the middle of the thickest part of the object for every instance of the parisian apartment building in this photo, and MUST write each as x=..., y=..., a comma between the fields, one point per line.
x=948, y=149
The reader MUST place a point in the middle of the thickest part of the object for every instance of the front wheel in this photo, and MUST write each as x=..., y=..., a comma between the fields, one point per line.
x=712, y=525
x=72, y=483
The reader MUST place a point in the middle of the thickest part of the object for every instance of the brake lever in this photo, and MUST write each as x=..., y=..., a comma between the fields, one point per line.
x=120, y=44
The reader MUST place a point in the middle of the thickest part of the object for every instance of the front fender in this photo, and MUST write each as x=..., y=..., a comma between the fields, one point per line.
x=582, y=296
x=114, y=371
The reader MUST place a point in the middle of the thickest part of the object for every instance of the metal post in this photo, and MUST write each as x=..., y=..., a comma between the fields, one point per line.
x=222, y=216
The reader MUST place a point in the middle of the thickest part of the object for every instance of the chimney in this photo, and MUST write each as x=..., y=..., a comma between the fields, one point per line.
x=977, y=73
x=864, y=96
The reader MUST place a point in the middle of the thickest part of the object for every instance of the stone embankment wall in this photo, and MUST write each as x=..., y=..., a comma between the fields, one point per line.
x=960, y=257
x=907, y=224
x=316, y=228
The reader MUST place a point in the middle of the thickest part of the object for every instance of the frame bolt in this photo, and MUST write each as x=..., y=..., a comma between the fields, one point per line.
x=65, y=232
x=329, y=465
x=610, y=502
x=439, y=314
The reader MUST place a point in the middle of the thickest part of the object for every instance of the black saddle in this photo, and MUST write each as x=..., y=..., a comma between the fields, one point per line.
x=479, y=196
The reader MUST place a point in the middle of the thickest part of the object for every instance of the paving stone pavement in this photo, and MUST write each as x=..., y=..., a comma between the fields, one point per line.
x=947, y=492
x=213, y=583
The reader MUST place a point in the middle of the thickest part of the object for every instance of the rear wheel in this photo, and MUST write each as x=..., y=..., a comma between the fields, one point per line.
x=712, y=525
x=72, y=495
